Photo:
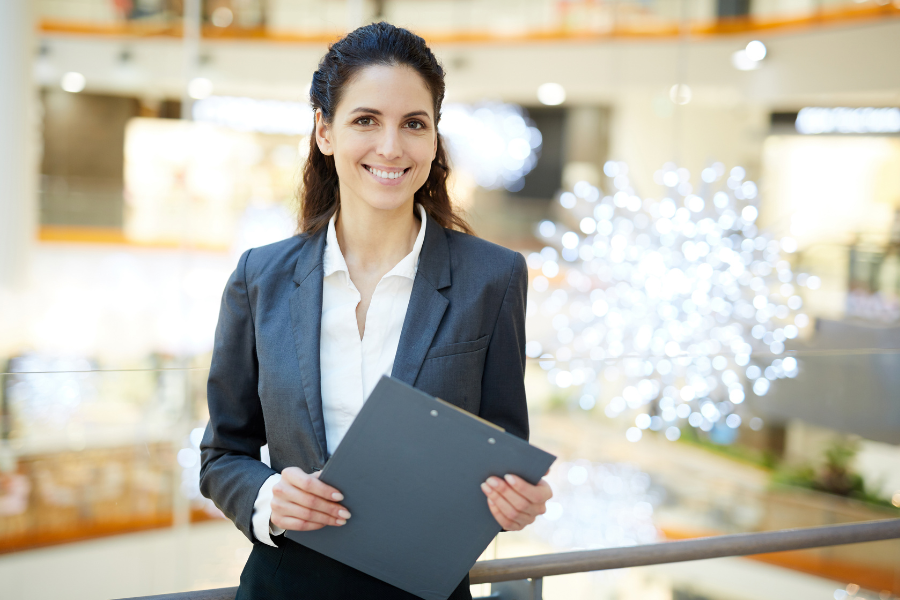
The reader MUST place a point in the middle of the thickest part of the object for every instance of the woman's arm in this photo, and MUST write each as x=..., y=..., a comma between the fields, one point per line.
x=503, y=380
x=231, y=472
x=514, y=502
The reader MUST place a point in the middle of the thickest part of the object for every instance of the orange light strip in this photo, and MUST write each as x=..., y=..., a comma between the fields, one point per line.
x=650, y=28
x=111, y=235
x=814, y=561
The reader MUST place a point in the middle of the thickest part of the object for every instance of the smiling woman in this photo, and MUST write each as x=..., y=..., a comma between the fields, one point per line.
x=383, y=277
x=378, y=92
x=375, y=149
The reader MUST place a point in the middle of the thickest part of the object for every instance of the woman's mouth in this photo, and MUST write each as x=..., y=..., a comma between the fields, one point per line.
x=391, y=177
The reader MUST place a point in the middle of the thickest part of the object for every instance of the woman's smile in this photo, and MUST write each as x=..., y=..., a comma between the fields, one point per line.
x=387, y=175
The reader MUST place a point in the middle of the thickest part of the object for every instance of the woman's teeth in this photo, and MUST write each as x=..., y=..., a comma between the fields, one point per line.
x=386, y=174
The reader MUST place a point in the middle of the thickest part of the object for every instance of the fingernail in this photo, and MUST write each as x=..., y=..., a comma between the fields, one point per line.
x=341, y=521
x=491, y=502
x=494, y=482
x=337, y=496
x=485, y=488
x=344, y=513
x=510, y=479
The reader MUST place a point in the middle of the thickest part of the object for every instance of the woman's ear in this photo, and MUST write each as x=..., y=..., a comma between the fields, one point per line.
x=323, y=134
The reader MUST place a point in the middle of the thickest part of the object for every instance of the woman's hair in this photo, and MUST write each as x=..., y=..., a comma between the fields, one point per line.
x=376, y=44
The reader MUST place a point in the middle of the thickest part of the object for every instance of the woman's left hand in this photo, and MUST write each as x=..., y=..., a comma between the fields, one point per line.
x=514, y=502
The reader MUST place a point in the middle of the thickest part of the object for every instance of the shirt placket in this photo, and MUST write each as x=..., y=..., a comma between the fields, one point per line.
x=353, y=400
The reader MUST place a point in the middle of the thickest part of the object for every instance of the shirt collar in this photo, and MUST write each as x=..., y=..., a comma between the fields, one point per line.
x=333, y=260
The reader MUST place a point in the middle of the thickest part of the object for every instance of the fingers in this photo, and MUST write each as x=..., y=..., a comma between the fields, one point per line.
x=539, y=493
x=514, y=502
x=311, y=484
x=298, y=502
x=501, y=518
x=509, y=503
x=282, y=507
x=517, y=500
x=290, y=494
x=296, y=524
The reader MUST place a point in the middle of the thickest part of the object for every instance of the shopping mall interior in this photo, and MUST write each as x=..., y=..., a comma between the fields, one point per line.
x=707, y=194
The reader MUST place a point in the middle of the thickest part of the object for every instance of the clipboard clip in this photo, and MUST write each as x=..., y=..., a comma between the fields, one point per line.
x=434, y=413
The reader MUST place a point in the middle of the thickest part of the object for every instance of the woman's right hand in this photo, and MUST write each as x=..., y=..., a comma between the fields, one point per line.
x=301, y=502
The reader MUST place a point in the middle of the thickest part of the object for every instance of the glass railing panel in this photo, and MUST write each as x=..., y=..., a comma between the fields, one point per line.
x=111, y=458
x=89, y=453
x=818, y=447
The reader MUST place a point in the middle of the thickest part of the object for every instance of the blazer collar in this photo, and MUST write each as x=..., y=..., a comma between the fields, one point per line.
x=312, y=253
x=434, y=259
x=426, y=304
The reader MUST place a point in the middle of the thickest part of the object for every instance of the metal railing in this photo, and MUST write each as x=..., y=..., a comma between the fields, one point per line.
x=521, y=578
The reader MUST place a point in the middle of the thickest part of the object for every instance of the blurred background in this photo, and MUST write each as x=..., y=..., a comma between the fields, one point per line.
x=707, y=193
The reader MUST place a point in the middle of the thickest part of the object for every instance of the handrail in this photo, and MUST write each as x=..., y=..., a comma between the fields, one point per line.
x=740, y=544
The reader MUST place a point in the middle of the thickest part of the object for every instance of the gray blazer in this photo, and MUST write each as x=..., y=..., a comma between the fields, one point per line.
x=463, y=340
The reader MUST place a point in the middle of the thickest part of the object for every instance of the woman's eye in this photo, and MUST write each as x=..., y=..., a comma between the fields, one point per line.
x=416, y=125
x=364, y=121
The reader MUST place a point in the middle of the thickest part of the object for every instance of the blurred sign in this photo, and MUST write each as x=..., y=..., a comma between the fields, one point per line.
x=848, y=120
x=249, y=114
x=191, y=184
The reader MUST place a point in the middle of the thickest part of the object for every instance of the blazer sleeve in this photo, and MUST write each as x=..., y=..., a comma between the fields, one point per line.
x=231, y=472
x=503, y=381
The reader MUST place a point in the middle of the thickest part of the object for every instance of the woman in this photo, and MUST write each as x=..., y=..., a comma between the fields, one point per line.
x=383, y=278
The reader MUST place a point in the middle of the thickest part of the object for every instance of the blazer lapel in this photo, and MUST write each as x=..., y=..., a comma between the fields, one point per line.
x=426, y=304
x=306, y=321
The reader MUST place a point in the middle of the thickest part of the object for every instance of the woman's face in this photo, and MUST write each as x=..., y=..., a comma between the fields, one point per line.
x=382, y=137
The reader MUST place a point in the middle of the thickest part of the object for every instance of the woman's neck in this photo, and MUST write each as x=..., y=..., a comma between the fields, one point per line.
x=375, y=240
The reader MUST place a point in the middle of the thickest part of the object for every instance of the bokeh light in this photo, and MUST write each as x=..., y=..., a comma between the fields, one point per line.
x=673, y=311
x=495, y=143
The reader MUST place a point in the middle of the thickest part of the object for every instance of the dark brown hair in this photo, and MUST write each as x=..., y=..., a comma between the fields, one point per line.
x=375, y=44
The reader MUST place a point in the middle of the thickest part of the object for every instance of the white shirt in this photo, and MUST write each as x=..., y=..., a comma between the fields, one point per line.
x=350, y=367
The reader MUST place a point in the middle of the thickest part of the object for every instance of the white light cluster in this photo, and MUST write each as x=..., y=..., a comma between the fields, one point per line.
x=813, y=120
x=597, y=505
x=200, y=88
x=679, y=307
x=73, y=82
x=497, y=144
x=55, y=391
x=551, y=94
x=750, y=57
x=248, y=114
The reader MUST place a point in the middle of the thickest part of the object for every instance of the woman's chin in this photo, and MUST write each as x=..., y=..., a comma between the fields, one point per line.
x=388, y=200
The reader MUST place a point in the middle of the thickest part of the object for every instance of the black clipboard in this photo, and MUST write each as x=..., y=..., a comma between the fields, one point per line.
x=410, y=468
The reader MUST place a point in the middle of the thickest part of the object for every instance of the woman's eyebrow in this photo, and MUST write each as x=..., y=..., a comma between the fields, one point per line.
x=375, y=111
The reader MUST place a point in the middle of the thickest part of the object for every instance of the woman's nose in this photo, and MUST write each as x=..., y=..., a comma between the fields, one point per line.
x=389, y=145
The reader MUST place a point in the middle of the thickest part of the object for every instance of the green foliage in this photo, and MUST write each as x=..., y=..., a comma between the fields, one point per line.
x=759, y=458
x=558, y=401
x=836, y=475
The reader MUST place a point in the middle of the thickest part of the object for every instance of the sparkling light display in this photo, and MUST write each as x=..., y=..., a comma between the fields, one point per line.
x=671, y=312
x=598, y=505
x=496, y=143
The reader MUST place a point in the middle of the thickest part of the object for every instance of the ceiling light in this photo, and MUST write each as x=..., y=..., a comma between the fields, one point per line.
x=222, y=17
x=742, y=62
x=755, y=50
x=551, y=94
x=200, y=88
x=73, y=82
x=680, y=94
